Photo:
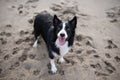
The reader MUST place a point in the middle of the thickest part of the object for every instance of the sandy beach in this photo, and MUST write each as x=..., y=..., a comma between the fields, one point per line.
x=94, y=56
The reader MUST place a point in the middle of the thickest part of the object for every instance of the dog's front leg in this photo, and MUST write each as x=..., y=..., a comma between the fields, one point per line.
x=52, y=62
x=61, y=59
x=53, y=67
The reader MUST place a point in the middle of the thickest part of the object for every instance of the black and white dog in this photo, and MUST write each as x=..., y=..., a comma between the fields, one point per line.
x=58, y=36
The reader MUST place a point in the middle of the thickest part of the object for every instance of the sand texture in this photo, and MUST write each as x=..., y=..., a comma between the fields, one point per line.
x=96, y=50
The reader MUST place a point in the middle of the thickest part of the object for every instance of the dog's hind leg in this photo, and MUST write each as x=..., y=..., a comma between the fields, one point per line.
x=35, y=43
x=36, y=40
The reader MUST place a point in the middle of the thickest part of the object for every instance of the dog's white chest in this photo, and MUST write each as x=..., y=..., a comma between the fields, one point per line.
x=64, y=48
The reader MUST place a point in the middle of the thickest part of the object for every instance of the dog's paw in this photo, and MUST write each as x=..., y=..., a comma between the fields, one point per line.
x=53, y=69
x=61, y=60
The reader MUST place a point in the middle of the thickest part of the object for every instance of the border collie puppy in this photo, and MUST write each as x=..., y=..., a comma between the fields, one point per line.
x=58, y=35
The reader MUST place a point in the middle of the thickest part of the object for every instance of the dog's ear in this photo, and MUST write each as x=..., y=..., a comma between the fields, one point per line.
x=56, y=21
x=73, y=22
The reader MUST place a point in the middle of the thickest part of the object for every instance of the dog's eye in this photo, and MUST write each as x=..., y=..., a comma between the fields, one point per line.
x=58, y=29
x=67, y=29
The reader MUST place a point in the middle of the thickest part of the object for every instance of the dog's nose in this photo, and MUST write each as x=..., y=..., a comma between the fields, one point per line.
x=62, y=34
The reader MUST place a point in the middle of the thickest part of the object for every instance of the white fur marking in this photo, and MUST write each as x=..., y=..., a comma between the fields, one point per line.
x=53, y=67
x=35, y=43
x=63, y=31
x=55, y=54
x=64, y=48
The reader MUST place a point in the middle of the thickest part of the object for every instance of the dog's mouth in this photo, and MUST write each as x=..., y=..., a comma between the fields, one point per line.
x=61, y=40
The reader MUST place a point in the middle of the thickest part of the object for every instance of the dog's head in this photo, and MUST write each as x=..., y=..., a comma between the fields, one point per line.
x=64, y=30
